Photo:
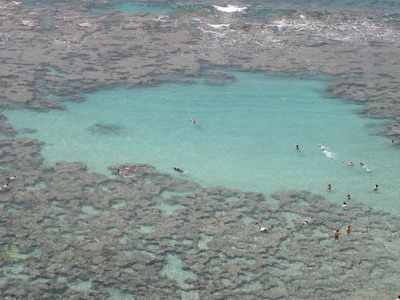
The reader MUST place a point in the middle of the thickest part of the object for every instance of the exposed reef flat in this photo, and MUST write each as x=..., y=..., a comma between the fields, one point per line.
x=63, y=52
x=151, y=235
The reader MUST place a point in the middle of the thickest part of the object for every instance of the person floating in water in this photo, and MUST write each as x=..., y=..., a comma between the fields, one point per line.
x=350, y=164
x=305, y=222
x=329, y=187
x=297, y=148
x=129, y=169
x=348, y=229
x=261, y=228
x=179, y=170
x=192, y=121
x=11, y=178
x=337, y=233
x=375, y=188
x=344, y=206
x=365, y=167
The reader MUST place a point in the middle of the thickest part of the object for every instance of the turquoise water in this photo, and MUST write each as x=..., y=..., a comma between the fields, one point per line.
x=375, y=7
x=135, y=7
x=244, y=138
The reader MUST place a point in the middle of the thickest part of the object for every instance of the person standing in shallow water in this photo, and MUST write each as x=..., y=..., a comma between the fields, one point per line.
x=329, y=187
x=337, y=233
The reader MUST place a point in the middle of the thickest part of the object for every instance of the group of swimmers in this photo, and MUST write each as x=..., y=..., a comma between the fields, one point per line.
x=306, y=222
x=329, y=188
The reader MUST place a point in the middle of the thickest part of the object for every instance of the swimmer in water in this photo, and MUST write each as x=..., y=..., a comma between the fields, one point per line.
x=261, y=228
x=344, y=206
x=348, y=197
x=348, y=229
x=297, y=148
x=192, y=121
x=337, y=233
x=305, y=222
x=375, y=188
x=129, y=169
x=329, y=187
x=323, y=148
x=350, y=164
x=393, y=142
x=179, y=170
x=11, y=178
x=5, y=187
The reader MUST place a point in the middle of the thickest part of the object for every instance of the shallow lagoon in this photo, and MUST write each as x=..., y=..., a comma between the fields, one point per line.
x=244, y=138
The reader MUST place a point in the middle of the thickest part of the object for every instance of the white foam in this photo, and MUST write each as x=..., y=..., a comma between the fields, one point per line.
x=85, y=24
x=230, y=8
x=27, y=23
x=328, y=154
x=219, y=26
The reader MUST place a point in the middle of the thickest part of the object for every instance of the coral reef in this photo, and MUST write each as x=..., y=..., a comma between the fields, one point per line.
x=82, y=233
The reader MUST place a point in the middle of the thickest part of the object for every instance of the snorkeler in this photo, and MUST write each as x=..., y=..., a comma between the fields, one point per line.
x=129, y=169
x=261, y=228
x=179, y=170
x=11, y=178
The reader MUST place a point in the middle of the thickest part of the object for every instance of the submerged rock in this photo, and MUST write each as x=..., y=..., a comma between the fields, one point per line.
x=106, y=129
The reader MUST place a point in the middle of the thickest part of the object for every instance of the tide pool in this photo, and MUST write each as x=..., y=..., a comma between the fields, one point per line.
x=244, y=137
